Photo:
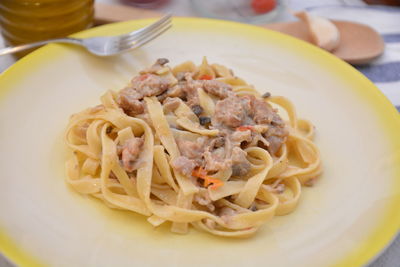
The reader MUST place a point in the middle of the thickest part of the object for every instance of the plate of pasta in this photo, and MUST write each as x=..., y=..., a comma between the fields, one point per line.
x=253, y=148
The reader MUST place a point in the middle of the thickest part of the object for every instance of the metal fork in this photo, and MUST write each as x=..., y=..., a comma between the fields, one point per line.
x=107, y=46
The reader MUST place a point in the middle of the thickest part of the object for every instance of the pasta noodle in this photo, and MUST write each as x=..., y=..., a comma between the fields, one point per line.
x=193, y=145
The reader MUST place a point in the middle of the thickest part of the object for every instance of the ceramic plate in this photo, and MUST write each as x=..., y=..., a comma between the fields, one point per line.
x=346, y=219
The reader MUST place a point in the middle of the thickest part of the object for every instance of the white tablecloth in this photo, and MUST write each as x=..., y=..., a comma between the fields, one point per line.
x=385, y=72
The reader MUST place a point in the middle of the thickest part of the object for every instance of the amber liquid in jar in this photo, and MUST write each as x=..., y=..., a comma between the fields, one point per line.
x=26, y=21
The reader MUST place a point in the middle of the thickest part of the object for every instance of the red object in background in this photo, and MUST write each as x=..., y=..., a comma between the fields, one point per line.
x=383, y=2
x=263, y=6
x=145, y=3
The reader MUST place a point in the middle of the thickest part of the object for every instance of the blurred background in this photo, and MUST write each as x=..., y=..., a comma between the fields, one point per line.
x=24, y=21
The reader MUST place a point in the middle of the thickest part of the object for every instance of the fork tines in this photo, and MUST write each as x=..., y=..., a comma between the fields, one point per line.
x=140, y=37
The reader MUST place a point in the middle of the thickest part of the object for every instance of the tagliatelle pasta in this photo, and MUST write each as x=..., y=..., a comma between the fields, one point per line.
x=193, y=145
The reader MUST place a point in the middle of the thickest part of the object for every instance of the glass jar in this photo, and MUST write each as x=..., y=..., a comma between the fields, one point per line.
x=25, y=21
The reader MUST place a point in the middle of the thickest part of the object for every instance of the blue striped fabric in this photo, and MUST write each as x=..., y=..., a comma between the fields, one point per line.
x=382, y=73
x=392, y=38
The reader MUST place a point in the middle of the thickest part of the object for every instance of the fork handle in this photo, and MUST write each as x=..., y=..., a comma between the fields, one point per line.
x=15, y=49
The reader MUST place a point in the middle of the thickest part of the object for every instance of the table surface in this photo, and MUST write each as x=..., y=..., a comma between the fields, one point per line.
x=388, y=258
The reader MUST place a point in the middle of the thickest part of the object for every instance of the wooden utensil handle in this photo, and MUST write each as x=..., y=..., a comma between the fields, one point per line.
x=115, y=13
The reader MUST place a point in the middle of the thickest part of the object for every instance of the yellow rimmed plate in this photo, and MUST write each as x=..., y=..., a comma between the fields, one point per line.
x=346, y=219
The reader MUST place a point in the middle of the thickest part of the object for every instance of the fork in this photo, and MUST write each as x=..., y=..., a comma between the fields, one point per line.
x=107, y=46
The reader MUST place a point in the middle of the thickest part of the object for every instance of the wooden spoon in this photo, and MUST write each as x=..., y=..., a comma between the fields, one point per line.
x=105, y=13
x=359, y=43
